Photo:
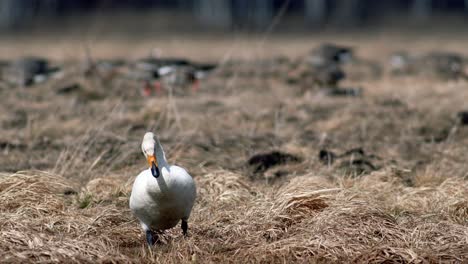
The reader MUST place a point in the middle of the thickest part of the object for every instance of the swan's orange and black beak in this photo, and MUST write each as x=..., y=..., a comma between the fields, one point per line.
x=153, y=163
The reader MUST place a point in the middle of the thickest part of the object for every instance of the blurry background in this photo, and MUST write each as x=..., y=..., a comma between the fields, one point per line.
x=228, y=15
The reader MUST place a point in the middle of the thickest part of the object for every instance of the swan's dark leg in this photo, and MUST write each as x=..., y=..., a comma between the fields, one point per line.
x=150, y=237
x=184, y=226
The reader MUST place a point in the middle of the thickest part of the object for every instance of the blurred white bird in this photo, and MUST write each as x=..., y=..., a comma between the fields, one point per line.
x=163, y=194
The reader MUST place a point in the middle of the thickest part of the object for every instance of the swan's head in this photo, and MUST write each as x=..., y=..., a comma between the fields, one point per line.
x=148, y=148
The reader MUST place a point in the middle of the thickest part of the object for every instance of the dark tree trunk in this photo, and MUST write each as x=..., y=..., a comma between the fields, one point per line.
x=262, y=13
x=214, y=13
x=315, y=12
x=11, y=13
x=348, y=12
x=421, y=9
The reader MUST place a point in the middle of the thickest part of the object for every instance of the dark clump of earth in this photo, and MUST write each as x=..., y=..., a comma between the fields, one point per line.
x=327, y=157
x=263, y=161
x=463, y=117
x=358, y=166
x=344, y=92
x=354, y=161
x=72, y=88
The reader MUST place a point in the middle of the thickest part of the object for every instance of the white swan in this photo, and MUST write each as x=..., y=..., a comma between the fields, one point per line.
x=163, y=194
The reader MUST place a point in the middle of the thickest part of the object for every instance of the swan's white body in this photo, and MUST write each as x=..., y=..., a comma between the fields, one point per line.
x=160, y=203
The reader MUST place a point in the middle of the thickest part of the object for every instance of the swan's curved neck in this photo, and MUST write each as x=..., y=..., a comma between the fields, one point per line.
x=159, y=152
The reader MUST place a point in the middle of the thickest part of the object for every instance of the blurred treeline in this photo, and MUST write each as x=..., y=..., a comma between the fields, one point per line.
x=234, y=14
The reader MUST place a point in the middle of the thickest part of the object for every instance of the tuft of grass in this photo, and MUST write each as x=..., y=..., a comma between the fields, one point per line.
x=84, y=200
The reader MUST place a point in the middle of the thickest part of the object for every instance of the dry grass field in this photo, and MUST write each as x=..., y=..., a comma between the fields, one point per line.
x=68, y=160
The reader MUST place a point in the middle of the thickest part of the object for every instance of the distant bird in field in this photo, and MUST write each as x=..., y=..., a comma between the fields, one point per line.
x=446, y=65
x=402, y=63
x=171, y=73
x=104, y=68
x=328, y=76
x=28, y=70
x=163, y=194
x=327, y=54
x=329, y=59
x=177, y=77
x=443, y=65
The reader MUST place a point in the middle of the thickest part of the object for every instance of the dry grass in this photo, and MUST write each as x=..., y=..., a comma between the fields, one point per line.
x=68, y=165
x=303, y=220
